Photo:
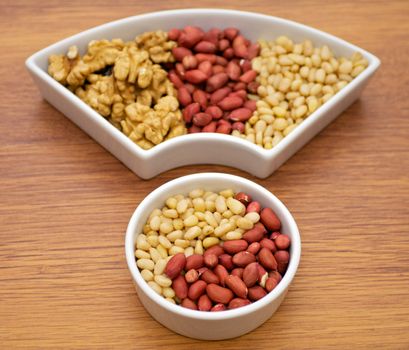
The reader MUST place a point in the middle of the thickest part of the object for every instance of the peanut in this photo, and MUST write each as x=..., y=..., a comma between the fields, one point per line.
x=242, y=259
x=204, y=303
x=235, y=246
x=194, y=261
x=175, y=265
x=236, y=285
x=210, y=277
x=253, y=235
x=189, y=304
x=197, y=289
x=221, y=273
x=270, y=219
x=219, y=294
x=267, y=259
x=238, y=302
x=255, y=293
x=250, y=274
x=180, y=287
x=282, y=242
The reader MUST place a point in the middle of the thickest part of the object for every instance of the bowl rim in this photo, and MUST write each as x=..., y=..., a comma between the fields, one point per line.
x=226, y=314
x=373, y=65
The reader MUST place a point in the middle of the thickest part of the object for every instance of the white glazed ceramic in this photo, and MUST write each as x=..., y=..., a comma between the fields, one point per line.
x=197, y=148
x=211, y=325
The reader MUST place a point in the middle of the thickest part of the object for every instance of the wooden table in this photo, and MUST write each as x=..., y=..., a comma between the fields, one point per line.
x=65, y=202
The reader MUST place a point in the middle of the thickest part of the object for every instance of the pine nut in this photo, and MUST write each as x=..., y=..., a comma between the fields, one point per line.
x=189, y=251
x=196, y=193
x=147, y=275
x=233, y=235
x=182, y=206
x=210, y=205
x=141, y=254
x=166, y=228
x=178, y=224
x=222, y=229
x=141, y=242
x=199, y=204
x=210, y=219
x=192, y=233
x=227, y=193
x=235, y=206
x=210, y=241
x=154, y=254
x=168, y=293
x=176, y=250
x=160, y=267
x=170, y=213
x=199, y=247
x=220, y=204
x=174, y=235
x=171, y=203
x=184, y=243
x=153, y=240
x=162, y=251
x=191, y=221
x=154, y=223
x=164, y=242
x=245, y=224
x=156, y=287
x=145, y=264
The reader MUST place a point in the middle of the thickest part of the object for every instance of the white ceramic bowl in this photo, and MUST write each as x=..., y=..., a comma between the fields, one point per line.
x=197, y=148
x=211, y=325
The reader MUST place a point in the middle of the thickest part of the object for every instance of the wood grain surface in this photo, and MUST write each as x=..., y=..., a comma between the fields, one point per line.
x=65, y=201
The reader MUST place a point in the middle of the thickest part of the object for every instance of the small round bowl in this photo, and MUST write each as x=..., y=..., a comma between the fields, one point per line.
x=211, y=325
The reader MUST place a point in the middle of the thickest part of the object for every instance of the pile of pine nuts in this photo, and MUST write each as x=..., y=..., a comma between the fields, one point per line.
x=295, y=79
x=226, y=228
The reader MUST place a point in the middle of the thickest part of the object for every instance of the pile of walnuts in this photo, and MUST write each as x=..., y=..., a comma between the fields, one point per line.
x=125, y=83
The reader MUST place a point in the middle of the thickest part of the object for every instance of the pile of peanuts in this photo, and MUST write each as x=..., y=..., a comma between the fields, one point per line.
x=213, y=74
x=212, y=251
x=295, y=79
x=164, y=84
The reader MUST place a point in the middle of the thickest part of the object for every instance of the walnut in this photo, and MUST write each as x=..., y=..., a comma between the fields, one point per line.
x=126, y=90
x=59, y=66
x=178, y=130
x=117, y=113
x=129, y=63
x=99, y=94
x=145, y=144
x=144, y=97
x=157, y=121
x=158, y=46
x=72, y=52
x=100, y=54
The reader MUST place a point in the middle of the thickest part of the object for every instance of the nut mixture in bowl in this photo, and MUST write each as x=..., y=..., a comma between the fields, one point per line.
x=212, y=251
x=166, y=84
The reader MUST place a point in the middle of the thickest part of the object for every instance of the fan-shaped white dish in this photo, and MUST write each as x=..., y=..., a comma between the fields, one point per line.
x=201, y=148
